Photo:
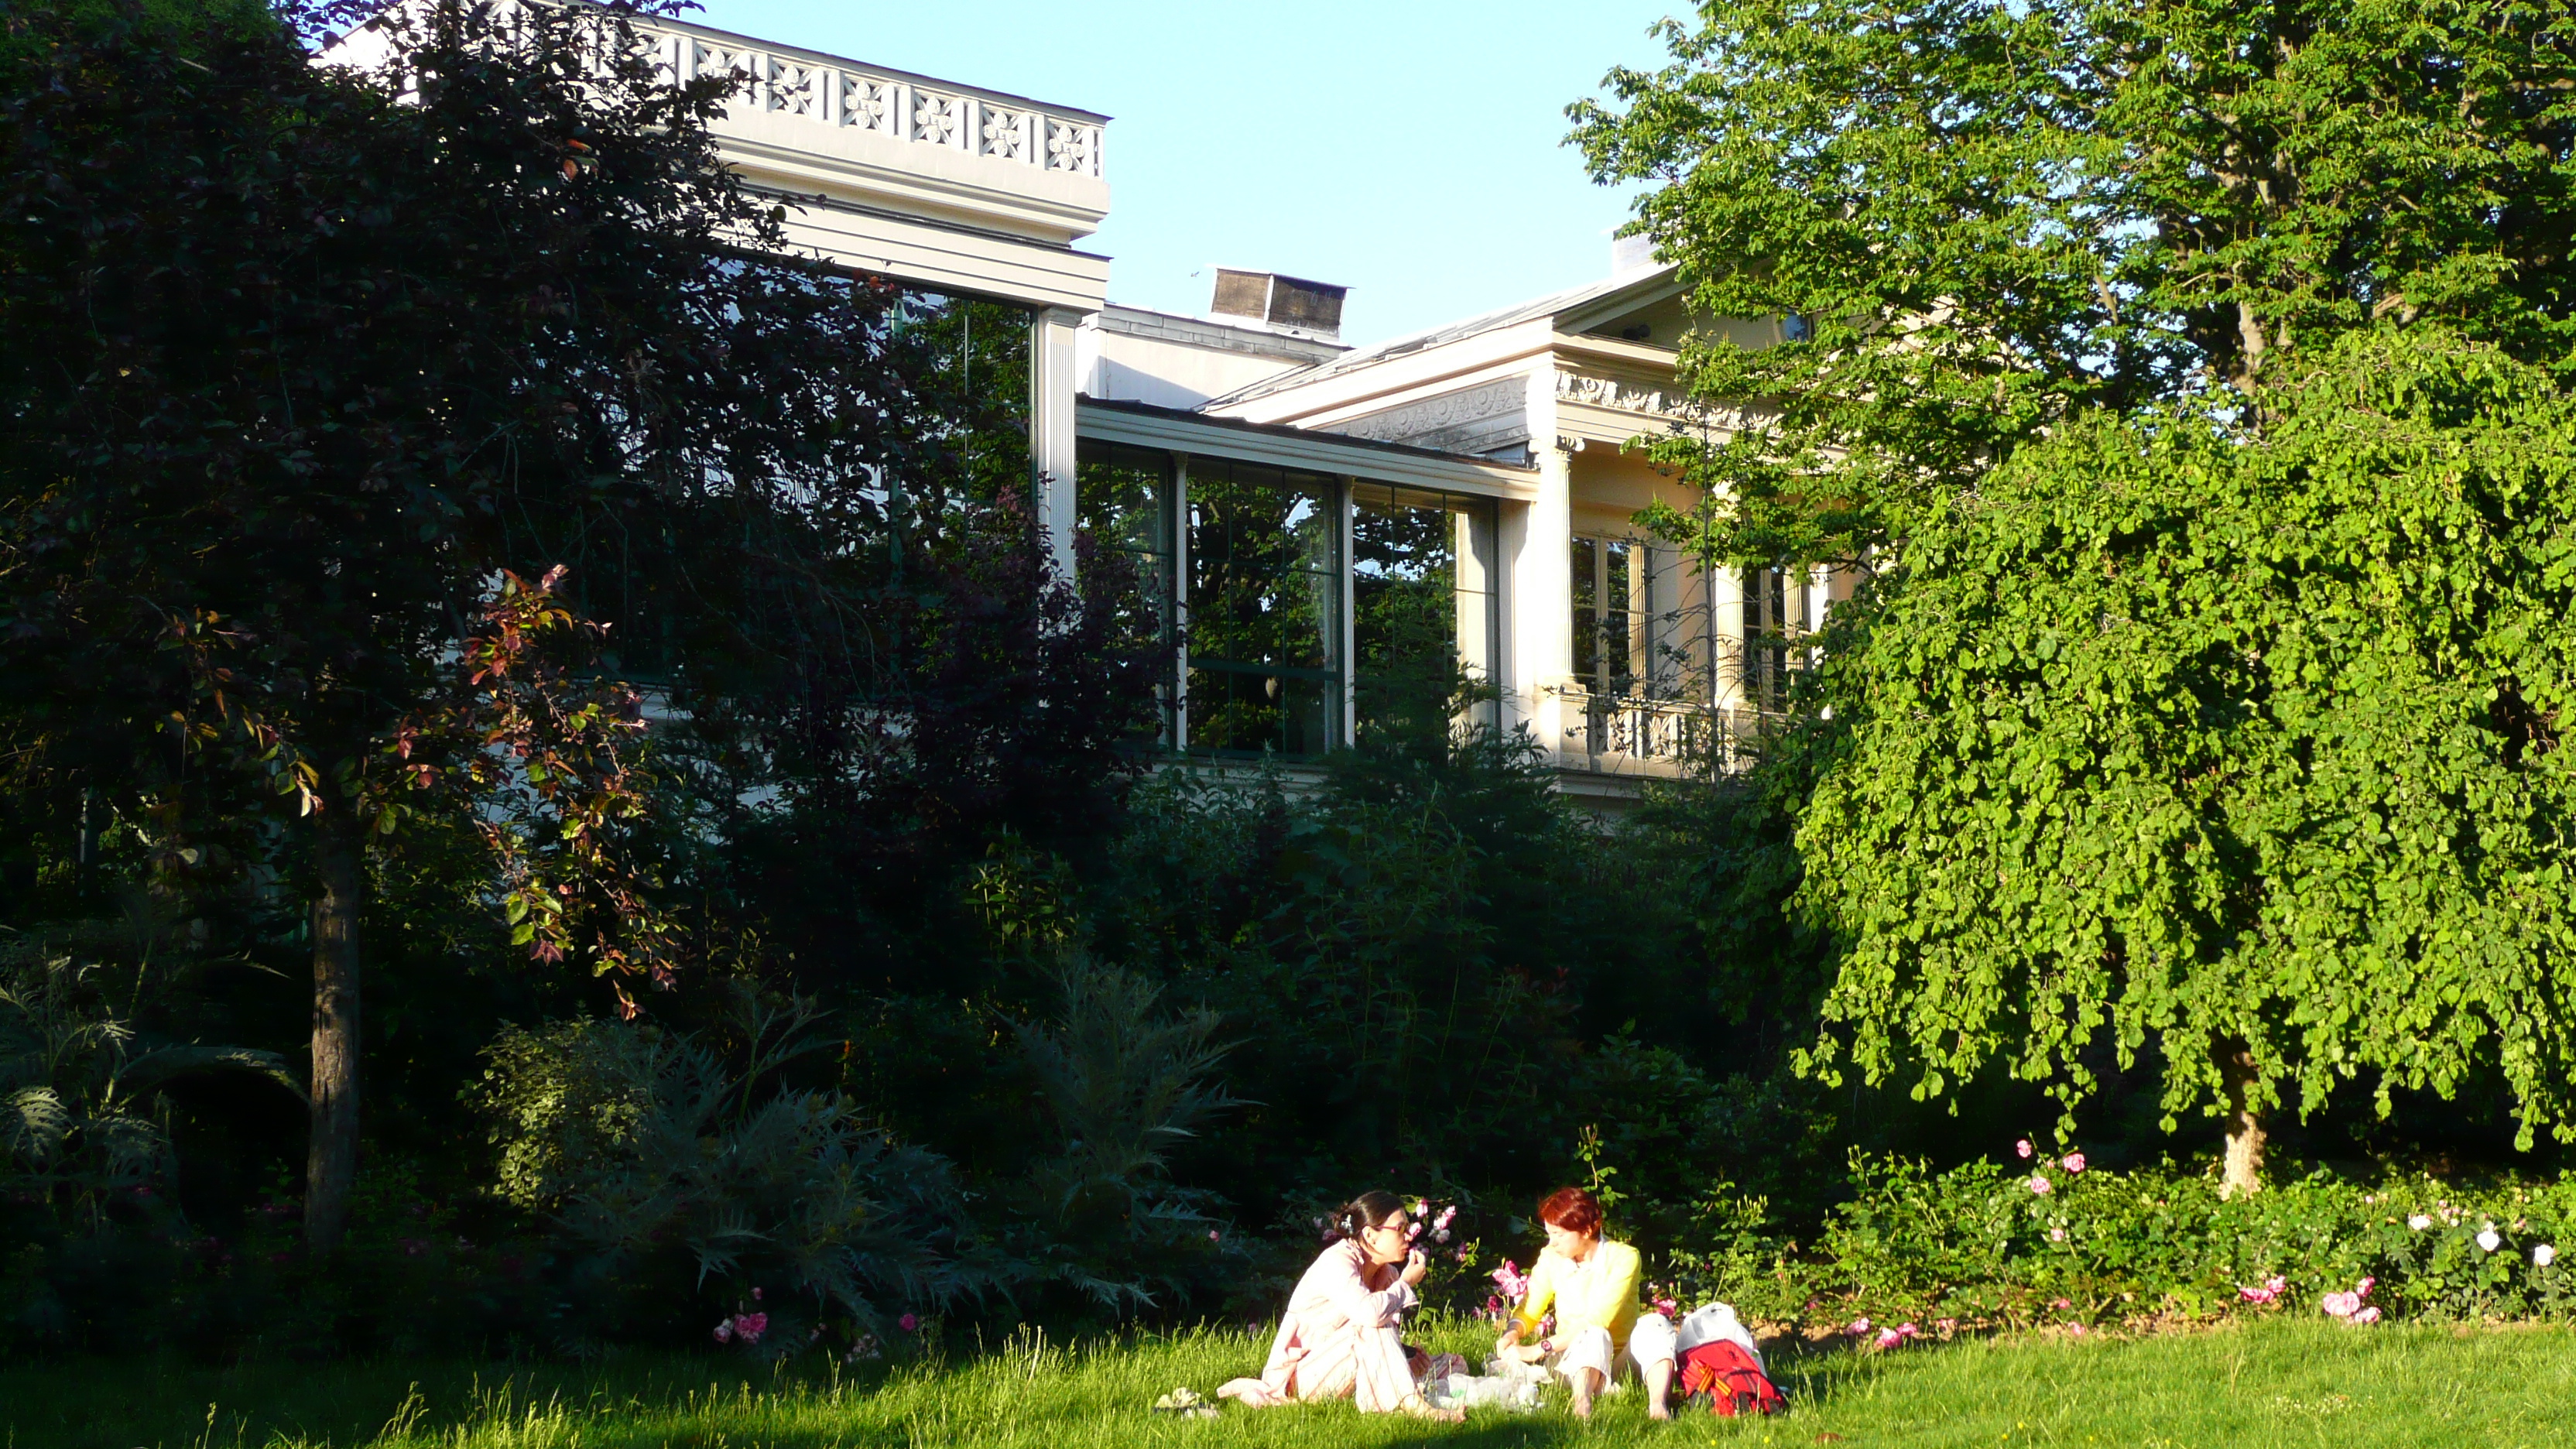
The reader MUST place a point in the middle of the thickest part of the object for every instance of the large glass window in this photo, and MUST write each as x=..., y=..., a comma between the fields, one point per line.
x=1264, y=609
x=1422, y=611
x=1123, y=501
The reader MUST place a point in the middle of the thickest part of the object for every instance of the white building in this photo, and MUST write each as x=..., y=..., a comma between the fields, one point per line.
x=1323, y=525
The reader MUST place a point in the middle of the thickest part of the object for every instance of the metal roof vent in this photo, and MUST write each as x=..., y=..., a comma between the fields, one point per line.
x=1632, y=253
x=1289, y=304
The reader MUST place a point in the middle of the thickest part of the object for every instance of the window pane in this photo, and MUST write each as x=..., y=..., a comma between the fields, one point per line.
x=1122, y=499
x=1583, y=567
x=1619, y=617
x=1420, y=635
x=1264, y=608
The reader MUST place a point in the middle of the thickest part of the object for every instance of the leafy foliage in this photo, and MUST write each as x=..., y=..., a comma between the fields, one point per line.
x=689, y=1176
x=78, y=1079
x=1991, y=217
x=1977, y=1245
x=2198, y=747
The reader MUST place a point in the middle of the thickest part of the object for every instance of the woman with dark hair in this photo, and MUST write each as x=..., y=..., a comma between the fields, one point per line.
x=1341, y=1338
x=1591, y=1282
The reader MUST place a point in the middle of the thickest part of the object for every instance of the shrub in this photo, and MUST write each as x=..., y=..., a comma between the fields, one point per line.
x=2053, y=1241
x=686, y=1180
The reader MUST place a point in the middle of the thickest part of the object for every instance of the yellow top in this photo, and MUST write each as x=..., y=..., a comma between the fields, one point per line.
x=1599, y=1292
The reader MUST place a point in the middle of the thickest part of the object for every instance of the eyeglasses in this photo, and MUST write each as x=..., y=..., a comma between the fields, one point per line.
x=1385, y=1227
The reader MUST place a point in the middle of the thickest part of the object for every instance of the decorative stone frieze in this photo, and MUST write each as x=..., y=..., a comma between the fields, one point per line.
x=1476, y=419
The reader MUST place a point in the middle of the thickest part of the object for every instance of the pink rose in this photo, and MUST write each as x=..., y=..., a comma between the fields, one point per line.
x=2367, y=1315
x=2022, y=1149
x=2341, y=1305
x=1858, y=1327
x=2039, y=1184
x=907, y=1323
x=2057, y=1235
x=2074, y=1162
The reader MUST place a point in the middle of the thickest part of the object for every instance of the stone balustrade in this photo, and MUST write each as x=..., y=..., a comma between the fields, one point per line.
x=888, y=103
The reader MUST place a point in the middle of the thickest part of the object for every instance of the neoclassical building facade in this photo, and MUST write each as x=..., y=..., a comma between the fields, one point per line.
x=1333, y=539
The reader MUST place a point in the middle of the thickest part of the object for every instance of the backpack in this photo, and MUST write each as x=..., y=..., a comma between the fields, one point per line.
x=1732, y=1379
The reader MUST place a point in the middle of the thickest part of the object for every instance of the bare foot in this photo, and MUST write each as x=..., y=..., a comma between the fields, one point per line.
x=1420, y=1408
x=1658, y=1412
x=1583, y=1406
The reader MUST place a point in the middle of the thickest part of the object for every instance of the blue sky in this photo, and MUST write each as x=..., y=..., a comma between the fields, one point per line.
x=1407, y=149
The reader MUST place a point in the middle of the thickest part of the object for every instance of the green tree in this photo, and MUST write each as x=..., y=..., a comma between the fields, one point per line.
x=1993, y=215
x=300, y=362
x=2111, y=231
x=2240, y=754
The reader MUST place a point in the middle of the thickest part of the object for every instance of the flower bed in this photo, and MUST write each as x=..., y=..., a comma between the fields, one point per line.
x=2052, y=1241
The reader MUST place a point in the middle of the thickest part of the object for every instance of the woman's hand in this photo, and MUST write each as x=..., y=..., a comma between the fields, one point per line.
x=1415, y=1266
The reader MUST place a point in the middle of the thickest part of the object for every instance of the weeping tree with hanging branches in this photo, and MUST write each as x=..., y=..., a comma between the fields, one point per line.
x=2239, y=759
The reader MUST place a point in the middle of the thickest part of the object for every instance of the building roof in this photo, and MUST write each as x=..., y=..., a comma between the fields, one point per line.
x=1573, y=299
x=1288, y=445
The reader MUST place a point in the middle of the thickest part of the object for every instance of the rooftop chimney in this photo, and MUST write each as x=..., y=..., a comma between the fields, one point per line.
x=1289, y=304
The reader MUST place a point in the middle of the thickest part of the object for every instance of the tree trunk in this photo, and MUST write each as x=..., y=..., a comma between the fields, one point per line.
x=331, y=1160
x=2242, y=1174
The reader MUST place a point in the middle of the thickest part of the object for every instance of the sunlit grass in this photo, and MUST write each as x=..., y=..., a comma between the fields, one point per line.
x=2285, y=1383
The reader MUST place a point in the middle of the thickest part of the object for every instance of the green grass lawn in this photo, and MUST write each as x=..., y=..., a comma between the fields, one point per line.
x=2278, y=1383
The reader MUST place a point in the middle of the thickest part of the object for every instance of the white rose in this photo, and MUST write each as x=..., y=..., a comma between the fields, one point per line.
x=2544, y=1255
x=2490, y=1240
x=2419, y=1222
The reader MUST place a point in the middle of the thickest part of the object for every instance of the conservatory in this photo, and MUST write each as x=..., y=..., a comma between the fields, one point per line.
x=1432, y=532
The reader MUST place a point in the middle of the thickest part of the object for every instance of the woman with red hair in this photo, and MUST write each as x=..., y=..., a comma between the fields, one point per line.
x=1601, y=1329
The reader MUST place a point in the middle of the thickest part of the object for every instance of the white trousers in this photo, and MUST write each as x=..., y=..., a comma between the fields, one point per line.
x=1650, y=1341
